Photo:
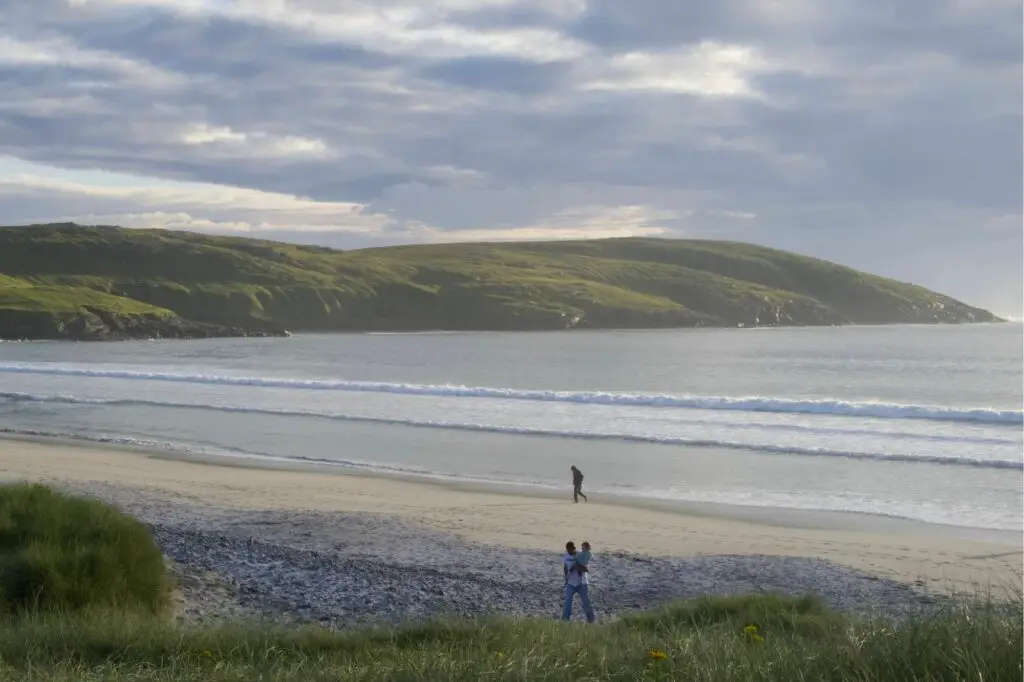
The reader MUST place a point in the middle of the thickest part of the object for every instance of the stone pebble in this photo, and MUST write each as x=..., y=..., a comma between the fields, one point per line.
x=339, y=589
x=357, y=569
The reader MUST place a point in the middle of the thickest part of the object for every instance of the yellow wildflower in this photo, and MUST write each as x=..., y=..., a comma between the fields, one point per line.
x=656, y=655
x=750, y=629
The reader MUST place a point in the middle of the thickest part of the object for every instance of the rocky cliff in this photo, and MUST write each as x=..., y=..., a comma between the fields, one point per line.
x=93, y=324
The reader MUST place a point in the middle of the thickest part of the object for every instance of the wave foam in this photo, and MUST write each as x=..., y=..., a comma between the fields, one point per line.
x=536, y=431
x=749, y=404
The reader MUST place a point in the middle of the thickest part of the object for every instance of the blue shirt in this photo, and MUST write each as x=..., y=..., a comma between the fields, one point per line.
x=573, y=578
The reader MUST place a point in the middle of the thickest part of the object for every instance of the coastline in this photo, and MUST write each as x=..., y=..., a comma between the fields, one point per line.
x=275, y=334
x=940, y=559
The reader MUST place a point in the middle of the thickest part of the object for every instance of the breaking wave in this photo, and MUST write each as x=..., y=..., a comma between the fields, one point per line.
x=538, y=431
x=878, y=410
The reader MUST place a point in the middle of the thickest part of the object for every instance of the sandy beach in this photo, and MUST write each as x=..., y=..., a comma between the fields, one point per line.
x=940, y=558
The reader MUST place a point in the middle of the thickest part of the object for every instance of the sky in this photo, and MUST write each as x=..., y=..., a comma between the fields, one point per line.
x=883, y=134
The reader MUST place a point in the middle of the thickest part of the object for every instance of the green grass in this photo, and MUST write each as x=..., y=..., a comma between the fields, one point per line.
x=713, y=640
x=8, y=283
x=537, y=285
x=64, y=299
x=63, y=554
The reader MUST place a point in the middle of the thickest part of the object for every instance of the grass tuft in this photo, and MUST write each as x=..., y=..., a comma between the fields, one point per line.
x=59, y=553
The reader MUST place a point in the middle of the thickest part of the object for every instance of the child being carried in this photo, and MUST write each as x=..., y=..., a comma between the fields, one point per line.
x=582, y=558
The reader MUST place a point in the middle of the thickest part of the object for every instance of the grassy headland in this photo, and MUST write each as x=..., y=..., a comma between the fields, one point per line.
x=110, y=273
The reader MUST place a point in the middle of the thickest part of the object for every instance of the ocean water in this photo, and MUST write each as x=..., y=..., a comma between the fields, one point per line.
x=923, y=423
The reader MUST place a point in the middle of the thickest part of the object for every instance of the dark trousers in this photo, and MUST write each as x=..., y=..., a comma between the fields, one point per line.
x=577, y=493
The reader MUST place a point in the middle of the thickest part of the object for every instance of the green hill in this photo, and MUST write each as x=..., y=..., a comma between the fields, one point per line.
x=71, y=281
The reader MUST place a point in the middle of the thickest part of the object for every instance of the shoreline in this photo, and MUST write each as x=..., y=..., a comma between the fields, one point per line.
x=908, y=552
x=263, y=334
x=780, y=517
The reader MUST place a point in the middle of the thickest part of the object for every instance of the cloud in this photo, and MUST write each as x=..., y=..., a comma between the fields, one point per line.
x=706, y=69
x=578, y=222
x=499, y=73
x=855, y=131
x=235, y=144
x=112, y=199
x=61, y=53
x=394, y=28
x=115, y=199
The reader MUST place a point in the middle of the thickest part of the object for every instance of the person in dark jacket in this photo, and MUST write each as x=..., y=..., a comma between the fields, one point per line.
x=577, y=484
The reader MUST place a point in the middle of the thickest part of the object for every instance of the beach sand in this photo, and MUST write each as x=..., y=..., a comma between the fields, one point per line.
x=941, y=558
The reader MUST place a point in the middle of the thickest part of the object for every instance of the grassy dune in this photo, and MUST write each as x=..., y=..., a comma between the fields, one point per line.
x=616, y=283
x=60, y=554
x=713, y=640
x=83, y=595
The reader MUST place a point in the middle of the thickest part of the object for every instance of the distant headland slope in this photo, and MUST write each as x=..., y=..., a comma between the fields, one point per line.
x=67, y=281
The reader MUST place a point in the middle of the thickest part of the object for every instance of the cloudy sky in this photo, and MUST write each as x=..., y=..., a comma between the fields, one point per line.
x=885, y=134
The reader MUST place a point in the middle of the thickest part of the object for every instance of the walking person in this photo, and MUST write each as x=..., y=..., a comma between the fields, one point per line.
x=576, y=582
x=577, y=485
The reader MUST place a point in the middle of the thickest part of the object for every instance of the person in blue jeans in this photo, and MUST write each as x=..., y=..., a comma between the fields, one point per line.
x=576, y=582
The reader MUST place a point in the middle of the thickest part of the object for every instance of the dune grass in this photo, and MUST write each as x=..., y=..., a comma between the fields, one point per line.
x=63, y=554
x=714, y=639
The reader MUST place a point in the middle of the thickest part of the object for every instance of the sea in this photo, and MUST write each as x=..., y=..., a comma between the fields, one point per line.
x=915, y=422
